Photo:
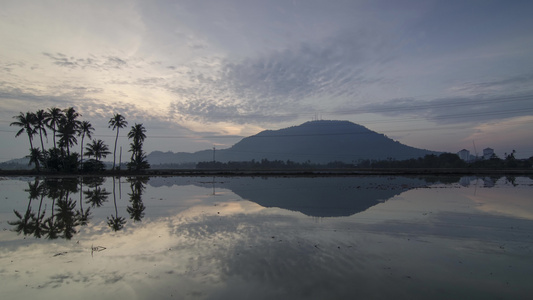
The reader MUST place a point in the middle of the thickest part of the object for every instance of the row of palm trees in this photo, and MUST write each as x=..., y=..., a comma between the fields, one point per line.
x=65, y=124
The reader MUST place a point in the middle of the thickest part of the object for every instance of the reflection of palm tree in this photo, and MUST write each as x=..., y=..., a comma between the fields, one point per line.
x=25, y=224
x=115, y=222
x=51, y=227
x=38, y=221
x=67, y=217
x=136, y=210
x=83, y=216
x=97, y=196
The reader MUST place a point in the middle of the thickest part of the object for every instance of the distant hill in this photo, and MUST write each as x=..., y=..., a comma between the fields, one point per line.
x=17, y=164
x=316, y=141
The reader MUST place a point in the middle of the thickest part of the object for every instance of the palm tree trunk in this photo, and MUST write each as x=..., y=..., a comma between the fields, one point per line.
x=31, y=143
x=115, y=151
x=41, y=134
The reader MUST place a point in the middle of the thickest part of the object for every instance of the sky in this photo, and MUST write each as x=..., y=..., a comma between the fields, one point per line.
x=438, y=75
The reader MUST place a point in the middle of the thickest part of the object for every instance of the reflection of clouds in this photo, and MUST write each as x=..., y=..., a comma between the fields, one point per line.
x=418, y=243
x=514, y=203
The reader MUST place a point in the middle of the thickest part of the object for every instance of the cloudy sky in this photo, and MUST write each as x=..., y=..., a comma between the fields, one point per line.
x=439, y=75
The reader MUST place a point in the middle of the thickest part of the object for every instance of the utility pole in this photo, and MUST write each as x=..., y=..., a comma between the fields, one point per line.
x=214, y=156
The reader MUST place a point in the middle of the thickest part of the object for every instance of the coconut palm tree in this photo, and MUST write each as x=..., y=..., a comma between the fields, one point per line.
x=54, y=116
x=117, y=121
x=40, y=124
x=138, y=158
x=86, y=129
x=68, y=128
x=98, y=149
x=36, y=157
x=25, y=121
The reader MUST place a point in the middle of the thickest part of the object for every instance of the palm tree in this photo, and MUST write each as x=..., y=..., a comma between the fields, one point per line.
x=68, y=127
x=40, y=124
x=25, y=121
x=117, y=121
x=36, y=157
x=98, y=149
x=53, y=119
x=138, y=158
x=86, y=129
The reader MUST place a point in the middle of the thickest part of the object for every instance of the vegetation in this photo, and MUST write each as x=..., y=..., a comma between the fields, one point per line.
x=65, y=124
x=117, y=122
x=444, y=160
x=138, y=157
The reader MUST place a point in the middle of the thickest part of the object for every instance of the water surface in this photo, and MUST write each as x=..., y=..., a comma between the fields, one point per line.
x=262, y=238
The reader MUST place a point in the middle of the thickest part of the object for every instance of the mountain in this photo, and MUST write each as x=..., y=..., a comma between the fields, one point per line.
x=17, y=164
x=316, y=141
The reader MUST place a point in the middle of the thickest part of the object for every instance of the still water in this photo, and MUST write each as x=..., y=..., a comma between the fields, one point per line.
x=266, y=238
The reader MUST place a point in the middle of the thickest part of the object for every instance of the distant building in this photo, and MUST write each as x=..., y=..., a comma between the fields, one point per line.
x=488, y=153
x=464, y=155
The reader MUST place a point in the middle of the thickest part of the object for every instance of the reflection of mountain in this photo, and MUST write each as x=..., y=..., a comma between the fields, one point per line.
x=317, y=197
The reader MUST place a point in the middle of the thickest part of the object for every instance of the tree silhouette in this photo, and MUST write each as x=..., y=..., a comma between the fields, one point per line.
x=83, y=215
x=54, y=116
x=85, y=129
x=25, y=224
x=25, y=121
x=117, y=122
x=136, y=210
x=36, y=157
x=138, y=157
x=67, y=217
x=38, y=220
x=98, y=149
x=96, y=197
x=40, y=125
x=115, y=222
x=68, y=129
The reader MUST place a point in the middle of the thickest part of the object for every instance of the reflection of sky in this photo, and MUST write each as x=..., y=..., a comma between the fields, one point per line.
x=437, y=243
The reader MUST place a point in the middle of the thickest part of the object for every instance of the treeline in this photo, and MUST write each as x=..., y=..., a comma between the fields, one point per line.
x=266, y=164
x=444, y=160
x=65, y=125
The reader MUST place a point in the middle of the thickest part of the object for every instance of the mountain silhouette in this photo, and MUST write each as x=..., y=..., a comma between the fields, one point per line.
x=316, y=141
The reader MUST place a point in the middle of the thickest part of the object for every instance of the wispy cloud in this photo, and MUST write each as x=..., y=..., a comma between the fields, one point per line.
x=475, y=109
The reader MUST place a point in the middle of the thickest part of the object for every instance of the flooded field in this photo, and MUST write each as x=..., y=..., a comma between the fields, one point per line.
x=374, y=237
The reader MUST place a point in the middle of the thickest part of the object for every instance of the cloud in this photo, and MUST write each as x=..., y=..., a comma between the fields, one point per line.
x=280, y=85
x=474, y=109
x=103, y=62
x=514, y=83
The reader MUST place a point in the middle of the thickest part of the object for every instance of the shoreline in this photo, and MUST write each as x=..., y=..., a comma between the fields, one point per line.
x=277, y=172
